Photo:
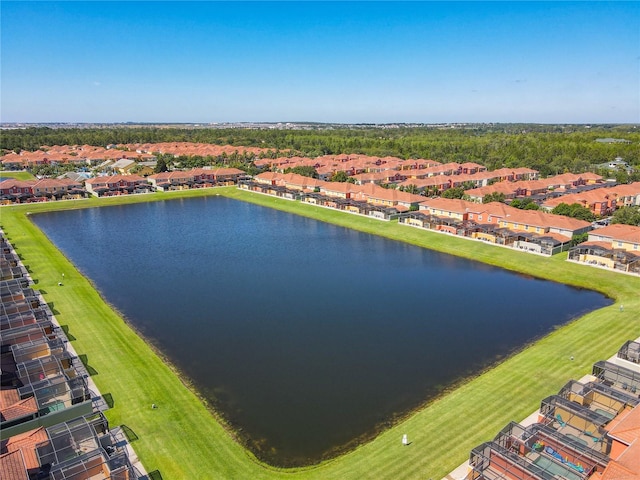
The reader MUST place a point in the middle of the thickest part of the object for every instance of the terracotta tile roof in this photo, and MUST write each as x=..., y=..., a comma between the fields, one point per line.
x=115, y=179
x=437, y=181
x=51, y=183
x=589, y=197
x=267, y=177
x=225, y=171
x=626, y=426
x=190, y=149
x=451, y=205
x=371, y=177
x=12, y=466
x=603, y=245
x=620, y=231
x=8, y=397
x=471, y=177
x=499, y=210
x=591, y=176
x=376, y=192
x=508, y=188
x=340, y=187
x=618, y=472
x=26, y=443
x=539, y=218
x=533, y=185
x=556, y=236
x=473, y=165
x=22, y=408
x=630, y=458
x=627, y=190
x=293, y=179
x=12, y=182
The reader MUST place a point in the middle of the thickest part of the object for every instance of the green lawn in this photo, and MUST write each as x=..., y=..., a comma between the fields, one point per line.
x=16, y=175
x=184, y=440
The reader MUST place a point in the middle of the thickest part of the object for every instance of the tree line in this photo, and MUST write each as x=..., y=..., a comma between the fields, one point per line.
x=549, y=149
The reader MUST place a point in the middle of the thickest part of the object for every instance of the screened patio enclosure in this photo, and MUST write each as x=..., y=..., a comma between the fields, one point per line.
x=576, y=422
x=492, y=461
x=599, y=397
x=630, y=351
x=617, y=376
x=84, y=448
x=540, y=439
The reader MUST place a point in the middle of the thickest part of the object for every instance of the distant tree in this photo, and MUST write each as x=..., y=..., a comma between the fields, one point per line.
x=579, y=238
x=575, y=210
x=411, y=188
x=494, y=197
x=161, y=165
x=305, y=171
x=340, y=176
x=432, y=191
x=627, y=216
x=532, y=206
x=525, y=204
x=456, y=192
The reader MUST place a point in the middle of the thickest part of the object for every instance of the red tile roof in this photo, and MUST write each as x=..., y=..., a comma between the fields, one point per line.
x=12, y=466
x=26, y=443
x=8, y=397
x=22, y=408
x=620, y=231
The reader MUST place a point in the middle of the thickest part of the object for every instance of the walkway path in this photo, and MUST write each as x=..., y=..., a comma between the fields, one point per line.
x=461, y=472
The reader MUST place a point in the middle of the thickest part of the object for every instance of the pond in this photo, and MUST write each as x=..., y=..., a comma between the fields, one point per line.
x=307, y=337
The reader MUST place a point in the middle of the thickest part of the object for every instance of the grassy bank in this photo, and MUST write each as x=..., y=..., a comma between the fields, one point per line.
x=183, y=440
x=16, y=175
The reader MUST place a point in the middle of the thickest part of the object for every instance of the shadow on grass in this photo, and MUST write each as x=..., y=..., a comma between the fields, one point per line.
x=130, y=434
x=85, y=361
x=53, y=309
x=108, y=399
x=155, y=475
x=71, y=338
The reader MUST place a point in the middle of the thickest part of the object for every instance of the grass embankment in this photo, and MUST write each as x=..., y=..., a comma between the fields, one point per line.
x=183, y=440
x=16, y=175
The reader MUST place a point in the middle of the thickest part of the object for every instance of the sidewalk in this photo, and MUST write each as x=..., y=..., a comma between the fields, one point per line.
x=461, y=472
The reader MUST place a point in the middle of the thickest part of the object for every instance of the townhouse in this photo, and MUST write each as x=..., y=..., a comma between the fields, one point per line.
x=587, y=431
x=600, y=202
x=107, y=186
x=17, y=191
x=616, y=247
x=627, y=195
x=51, y=421
x=510, y=190
x=497, y=223
x=169, y=181
x=81, y=155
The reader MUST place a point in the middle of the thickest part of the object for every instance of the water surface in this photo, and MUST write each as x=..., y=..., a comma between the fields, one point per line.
x=304, y=335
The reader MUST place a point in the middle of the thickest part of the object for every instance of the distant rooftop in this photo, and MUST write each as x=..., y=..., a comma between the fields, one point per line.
x=612, y=140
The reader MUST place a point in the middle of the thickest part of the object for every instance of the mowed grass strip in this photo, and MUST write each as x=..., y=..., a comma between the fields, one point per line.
x=17, y=175
x=184, y=440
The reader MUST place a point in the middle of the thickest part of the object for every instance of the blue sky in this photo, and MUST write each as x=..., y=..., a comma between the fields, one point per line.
x=377, y=62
